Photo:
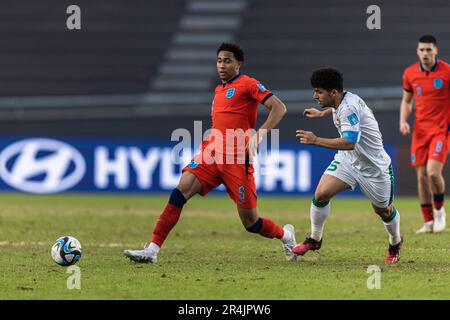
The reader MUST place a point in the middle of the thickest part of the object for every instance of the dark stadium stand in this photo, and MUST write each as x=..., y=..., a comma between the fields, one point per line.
x=155, y=45
x=283, y=45
x=117, y=50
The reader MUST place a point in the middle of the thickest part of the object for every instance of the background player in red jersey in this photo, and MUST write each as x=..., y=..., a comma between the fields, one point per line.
x=234, y=112
x=428, y=83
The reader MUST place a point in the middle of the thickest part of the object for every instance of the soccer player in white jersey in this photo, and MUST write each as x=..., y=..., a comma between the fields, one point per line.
x=361, y=159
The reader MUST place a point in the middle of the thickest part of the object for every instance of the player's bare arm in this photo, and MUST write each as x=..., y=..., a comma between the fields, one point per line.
x=308, y=137
x=314, y=113
x=277, y=111
x=405, y=112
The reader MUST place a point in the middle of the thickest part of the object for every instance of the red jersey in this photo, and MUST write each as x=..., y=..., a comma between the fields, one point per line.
x=431, y=94
x=235, y=106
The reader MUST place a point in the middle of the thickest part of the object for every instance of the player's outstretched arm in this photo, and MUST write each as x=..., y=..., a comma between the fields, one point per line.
x=314, y=113
x=405, y=112
x=308, y=137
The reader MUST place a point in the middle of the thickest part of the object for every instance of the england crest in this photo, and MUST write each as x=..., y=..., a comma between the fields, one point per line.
x=230, y=93
x=438, y=83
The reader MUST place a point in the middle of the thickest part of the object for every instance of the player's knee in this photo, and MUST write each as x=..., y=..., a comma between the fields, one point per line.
x=183, y=187
x=433, y=174
x=422, y=177
x=383, y=212
x=322, y=197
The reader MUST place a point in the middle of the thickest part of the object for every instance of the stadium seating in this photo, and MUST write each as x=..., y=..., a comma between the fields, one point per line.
x=117, y=50
x=283, y=45
x=155, y=46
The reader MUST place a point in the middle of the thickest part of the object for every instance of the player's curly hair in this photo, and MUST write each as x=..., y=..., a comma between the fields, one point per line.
x=231, y=47
x=328, y=79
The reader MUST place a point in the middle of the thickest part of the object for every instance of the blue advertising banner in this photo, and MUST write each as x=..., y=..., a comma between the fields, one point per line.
x=45, y=165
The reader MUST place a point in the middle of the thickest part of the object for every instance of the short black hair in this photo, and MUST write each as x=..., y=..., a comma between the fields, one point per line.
x=234, y=48
x=328, y=79
x=428, y=38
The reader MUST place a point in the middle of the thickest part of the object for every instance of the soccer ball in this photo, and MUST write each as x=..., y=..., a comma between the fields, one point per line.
x=66, y=251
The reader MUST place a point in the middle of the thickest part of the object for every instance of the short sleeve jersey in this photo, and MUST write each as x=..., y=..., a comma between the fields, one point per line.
x=431, y=91
x=235, y=106
x=356, y=123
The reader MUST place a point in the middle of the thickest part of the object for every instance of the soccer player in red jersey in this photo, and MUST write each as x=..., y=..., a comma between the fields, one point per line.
x=234, y=112
x=428, y=83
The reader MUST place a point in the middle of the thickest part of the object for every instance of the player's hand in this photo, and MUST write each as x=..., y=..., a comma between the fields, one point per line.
x=405, y=128
x=312, y=113
x=253, y=144
x=306, y=137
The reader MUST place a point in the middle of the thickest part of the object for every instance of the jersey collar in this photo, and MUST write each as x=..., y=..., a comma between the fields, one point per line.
x=232, y=79
x=433, y=68
x=342, y=101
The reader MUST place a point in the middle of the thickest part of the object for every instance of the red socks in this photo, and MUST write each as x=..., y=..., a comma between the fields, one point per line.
x=427, y=212
x=169, y=218
x=166, y=221
x=270, y=229
x=427, y=209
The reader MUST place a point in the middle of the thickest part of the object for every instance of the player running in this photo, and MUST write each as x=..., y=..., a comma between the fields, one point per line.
x=361, y=159
x=234, y=111
x=428, y=83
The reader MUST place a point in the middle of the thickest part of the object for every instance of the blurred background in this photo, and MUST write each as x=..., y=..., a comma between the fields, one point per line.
x=107, y=97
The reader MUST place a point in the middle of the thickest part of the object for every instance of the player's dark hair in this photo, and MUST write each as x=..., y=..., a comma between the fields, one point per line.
x=328, y=79
x=231, y=47
x=428, y=39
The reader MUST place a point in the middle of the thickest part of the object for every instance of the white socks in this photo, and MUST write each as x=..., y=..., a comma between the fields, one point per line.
x=393, y=227
x=286, y=236
x=153, y=248
x=318, y=214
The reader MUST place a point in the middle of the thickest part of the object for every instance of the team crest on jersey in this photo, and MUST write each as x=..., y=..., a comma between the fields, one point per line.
x=438, y=83
x=230, y=93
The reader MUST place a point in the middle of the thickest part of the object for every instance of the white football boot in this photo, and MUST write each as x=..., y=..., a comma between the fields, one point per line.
x=426, y=228
x=439, y=220
x=143, y=256
x=289, y=242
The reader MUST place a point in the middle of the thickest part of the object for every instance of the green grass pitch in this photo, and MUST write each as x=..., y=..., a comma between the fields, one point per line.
x=209, y=255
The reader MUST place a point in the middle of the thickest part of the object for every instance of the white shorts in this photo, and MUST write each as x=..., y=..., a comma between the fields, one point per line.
x=380, y=190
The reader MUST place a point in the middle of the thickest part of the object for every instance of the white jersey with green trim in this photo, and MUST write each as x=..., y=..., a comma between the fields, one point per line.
x=355, y=122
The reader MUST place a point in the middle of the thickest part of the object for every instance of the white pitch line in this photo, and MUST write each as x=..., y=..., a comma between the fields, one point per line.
x=49, y=244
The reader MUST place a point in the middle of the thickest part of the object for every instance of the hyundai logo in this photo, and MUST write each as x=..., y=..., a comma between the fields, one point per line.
x=41, y=166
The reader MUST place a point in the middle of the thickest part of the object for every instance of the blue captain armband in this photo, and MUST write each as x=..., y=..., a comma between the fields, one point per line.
x=351, y=136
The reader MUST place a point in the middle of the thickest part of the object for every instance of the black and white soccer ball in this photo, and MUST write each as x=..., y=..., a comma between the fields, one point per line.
x=66, y=251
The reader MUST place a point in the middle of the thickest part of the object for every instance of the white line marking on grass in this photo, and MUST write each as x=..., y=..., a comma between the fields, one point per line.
x=45, y=244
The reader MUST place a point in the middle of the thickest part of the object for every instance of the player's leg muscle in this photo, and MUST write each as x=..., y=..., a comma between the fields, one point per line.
x=248, y=216
x=423, y=185
x=189, y=185
x=328, y=187
x=434, y=173
x=384, y=213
